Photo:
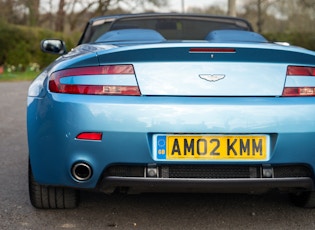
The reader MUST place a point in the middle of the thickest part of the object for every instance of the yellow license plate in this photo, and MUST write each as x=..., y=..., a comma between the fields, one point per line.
x=212, y=147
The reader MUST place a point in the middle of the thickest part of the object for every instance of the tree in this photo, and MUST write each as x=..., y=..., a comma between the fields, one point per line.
x=257, y=12
x=299, y=14
x=25, y=12
x=308, y=4
x=61, y=14
x=100, y=7
x=213, y=10
x=32, y=7
x=232, y=8
x=8, y=11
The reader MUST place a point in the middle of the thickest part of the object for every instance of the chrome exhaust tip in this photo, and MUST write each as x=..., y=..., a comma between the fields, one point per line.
x=81, y=171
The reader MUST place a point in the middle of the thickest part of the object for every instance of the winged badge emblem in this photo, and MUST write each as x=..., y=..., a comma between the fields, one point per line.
x=212, y=77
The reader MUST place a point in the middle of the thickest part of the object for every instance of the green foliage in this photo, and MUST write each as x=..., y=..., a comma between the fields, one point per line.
x=19, y=45
x=305, y=40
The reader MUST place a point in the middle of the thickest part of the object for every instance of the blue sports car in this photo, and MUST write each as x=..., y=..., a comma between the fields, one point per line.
x=172, y=102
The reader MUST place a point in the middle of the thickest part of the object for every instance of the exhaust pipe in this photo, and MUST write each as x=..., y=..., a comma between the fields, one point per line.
x=81, y=171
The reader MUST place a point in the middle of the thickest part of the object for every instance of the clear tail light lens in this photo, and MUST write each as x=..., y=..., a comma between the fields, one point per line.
x=56, y=86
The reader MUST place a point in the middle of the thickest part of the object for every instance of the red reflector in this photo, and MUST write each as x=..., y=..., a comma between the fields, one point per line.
x=212, y=50
x=300, y=71
x=56, y=86
x=90, y=136
x=298, y=91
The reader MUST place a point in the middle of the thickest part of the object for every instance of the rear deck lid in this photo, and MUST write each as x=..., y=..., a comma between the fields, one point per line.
x=204, y=69
x=210, y=79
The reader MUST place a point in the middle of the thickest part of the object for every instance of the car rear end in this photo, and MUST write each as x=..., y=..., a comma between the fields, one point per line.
x=183, y=116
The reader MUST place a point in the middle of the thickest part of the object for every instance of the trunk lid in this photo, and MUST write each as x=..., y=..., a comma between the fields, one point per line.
x=210, y=79
x=203, y=69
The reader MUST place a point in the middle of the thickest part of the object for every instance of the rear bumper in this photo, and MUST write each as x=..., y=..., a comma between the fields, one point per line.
x=206, y=178
x=128, y=124
x=134, y=184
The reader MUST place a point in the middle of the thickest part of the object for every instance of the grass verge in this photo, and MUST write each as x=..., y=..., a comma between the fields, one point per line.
x=18, y=76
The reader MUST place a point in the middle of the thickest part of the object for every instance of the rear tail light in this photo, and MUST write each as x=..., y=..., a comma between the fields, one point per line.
x=56, y=86
x=300, y=71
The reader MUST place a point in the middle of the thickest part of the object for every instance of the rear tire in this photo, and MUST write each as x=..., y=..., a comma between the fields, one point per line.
x=303, y=199
x=50, y=197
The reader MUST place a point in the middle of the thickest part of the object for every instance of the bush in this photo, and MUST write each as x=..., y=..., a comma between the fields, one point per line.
x=20, y=45
x=305, y=40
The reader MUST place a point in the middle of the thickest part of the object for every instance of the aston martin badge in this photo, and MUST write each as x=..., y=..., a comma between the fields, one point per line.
x=212, y=77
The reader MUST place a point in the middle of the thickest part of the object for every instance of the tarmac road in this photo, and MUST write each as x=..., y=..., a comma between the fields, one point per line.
x=146, y=211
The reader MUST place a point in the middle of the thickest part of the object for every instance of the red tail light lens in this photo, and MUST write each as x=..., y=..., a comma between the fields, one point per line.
x=56, y=86
x=302, y=71
x=90, y=136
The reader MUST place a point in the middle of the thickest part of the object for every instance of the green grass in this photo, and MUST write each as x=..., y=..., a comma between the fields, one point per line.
x=18, y=76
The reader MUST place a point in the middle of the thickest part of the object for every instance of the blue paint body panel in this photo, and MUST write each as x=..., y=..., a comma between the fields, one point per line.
x=128, y=123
